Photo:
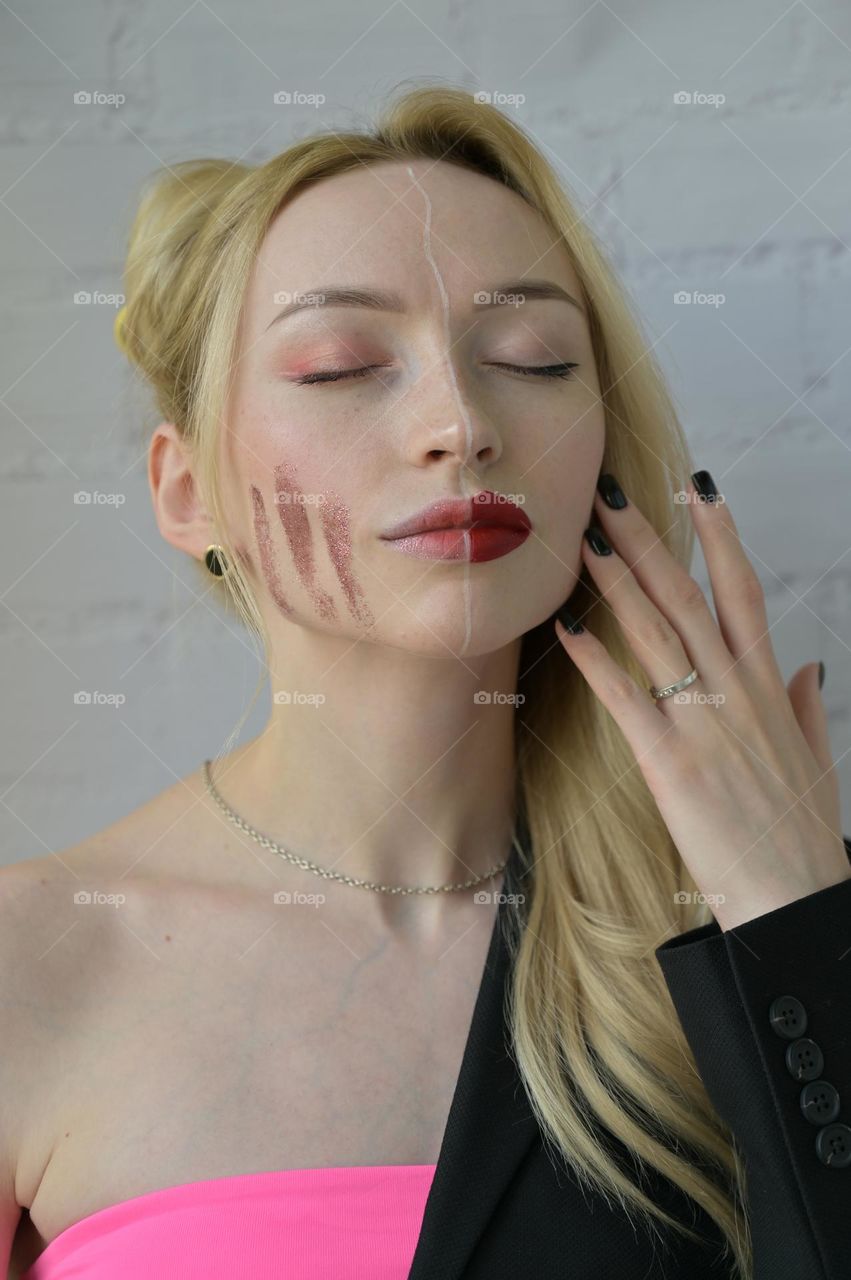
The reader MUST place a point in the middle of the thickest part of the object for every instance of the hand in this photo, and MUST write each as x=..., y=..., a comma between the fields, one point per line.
x=739, y=765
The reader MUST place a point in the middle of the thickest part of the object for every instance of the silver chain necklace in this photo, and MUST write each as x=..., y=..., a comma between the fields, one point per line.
x=326, y=874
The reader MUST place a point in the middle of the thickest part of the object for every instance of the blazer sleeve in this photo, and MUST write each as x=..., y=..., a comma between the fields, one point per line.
x=766, y=1008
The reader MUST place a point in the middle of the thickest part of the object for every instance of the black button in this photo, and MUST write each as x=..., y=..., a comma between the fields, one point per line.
x=788, y=1017
x=833, y=1145
x=804, y=1060
x=819, y=1102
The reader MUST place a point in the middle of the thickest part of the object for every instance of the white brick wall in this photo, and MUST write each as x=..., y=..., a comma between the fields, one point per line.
x=688, y=197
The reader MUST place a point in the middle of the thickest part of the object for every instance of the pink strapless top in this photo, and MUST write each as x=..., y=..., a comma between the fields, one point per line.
x=290, y=1224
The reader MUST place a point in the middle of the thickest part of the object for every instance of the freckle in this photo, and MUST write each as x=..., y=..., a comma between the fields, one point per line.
x=293, y=514
x=267, y=553
x=335, y=520
x=168, y=937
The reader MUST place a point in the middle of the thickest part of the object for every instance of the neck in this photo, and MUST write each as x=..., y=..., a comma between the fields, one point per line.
x=392, y=772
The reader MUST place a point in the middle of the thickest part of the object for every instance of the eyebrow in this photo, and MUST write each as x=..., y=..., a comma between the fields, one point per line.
x=389, y=300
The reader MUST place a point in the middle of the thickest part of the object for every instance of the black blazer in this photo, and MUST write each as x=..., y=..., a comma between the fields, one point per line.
x=766, y=1009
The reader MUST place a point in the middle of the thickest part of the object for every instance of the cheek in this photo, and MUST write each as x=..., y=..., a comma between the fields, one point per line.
x=303, y=525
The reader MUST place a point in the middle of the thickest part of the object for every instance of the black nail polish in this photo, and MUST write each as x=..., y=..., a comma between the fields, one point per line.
x=596, y=541
x=705, y=485
x=568, y=621
x=820, y=674
x=611, y=492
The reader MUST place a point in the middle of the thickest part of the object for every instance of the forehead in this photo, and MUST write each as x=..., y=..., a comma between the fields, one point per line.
x=369, y=223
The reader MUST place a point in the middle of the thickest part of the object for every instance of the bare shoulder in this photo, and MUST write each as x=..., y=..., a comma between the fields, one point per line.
x=63, y=952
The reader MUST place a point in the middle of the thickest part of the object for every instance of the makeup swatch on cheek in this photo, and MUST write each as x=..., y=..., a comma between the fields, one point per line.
x=289, y=499
x=335, y=522
x=267, y=551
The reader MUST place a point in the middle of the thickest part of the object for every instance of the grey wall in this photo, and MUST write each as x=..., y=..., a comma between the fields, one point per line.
x=749, y=199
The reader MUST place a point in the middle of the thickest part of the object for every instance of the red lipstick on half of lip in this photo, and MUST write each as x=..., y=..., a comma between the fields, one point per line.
x=482, y=527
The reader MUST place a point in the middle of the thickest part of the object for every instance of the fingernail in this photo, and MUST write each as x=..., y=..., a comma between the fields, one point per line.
x=596, y=541
x=611, y=492
x=568, y=621
x=705, y=485
x=820, y=674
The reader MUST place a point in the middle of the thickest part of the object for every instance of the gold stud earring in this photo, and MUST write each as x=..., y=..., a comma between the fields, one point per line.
x=215, y=560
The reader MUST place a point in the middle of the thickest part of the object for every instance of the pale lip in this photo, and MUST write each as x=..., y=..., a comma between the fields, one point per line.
x=484, y=508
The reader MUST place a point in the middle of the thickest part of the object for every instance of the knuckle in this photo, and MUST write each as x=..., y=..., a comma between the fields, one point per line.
x=619, y=687
x=686, y=593
x=748, y=590
x=656, y=632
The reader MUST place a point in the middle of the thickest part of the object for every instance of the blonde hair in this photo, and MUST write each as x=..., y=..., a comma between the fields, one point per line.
x=595, y=1034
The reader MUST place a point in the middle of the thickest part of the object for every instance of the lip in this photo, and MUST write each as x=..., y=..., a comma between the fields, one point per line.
x=485, y=508
x=484, y=526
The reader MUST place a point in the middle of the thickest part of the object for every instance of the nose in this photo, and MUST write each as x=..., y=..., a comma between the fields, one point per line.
x=444, y=424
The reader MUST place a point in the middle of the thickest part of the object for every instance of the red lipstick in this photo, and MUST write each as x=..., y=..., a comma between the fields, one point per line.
x=482, y=527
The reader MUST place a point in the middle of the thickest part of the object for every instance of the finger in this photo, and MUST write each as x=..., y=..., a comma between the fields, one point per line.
x=676, y=595
x=810, y=713
x=736, y=588
x=630, y=706
x=650, y=635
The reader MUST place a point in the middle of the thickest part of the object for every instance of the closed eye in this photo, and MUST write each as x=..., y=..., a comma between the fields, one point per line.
x=338, y=375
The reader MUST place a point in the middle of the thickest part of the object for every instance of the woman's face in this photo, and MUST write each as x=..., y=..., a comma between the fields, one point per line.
x=319, y=472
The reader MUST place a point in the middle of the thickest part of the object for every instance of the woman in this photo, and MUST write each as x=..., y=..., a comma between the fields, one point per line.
x=494, y=953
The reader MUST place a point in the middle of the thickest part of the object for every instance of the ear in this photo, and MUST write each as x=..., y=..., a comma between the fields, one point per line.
x=179, y=510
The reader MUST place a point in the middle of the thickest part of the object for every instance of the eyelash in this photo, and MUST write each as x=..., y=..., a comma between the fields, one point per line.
x=541, y=371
